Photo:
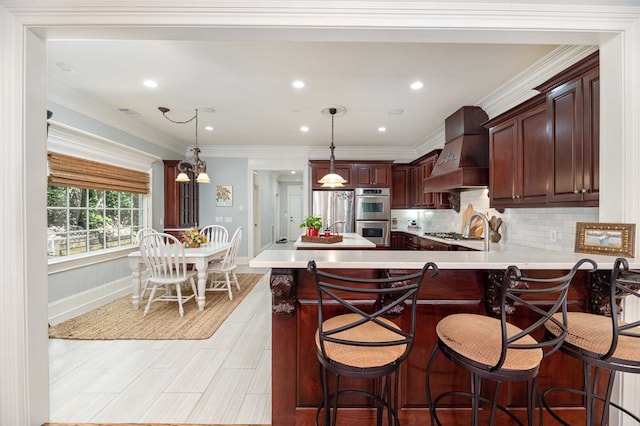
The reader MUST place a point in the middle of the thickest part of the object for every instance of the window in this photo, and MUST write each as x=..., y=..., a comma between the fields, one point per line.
x=98, y=197
x=83, y=220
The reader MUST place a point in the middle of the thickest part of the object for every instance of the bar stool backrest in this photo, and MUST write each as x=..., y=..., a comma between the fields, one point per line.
x=624, y=282
x=373, y=300
x=521, y=293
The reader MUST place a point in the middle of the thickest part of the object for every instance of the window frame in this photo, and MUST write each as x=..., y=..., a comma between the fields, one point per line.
x=71, y=141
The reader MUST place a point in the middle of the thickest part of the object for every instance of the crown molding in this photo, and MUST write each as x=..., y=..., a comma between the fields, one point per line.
x=71, y=141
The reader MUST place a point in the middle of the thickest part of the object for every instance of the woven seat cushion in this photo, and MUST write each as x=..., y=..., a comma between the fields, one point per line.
x=593, y=333
x=361, y=356
x=478, y=337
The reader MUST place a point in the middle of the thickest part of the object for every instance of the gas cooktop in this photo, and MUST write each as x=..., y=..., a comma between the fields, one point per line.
x=450, y=236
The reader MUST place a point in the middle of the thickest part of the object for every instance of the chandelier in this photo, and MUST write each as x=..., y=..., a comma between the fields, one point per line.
x=195, y=165
x=332, y=179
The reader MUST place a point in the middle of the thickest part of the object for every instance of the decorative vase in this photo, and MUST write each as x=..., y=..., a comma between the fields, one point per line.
x=312, y=232
x=193, y=245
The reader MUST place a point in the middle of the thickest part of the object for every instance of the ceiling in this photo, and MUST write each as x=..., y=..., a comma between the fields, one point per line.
x=249, y=85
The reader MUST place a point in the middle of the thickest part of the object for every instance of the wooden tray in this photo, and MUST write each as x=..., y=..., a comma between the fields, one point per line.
x=326, y=240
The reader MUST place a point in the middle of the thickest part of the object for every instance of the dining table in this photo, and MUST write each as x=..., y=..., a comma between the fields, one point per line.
x=197, y=256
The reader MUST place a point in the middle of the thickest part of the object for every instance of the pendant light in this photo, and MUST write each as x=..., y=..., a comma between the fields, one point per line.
x=332, y=179
x=196, y=165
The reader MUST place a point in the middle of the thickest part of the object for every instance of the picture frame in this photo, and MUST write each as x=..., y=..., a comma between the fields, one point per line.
x=609, y=239
x=224, y=195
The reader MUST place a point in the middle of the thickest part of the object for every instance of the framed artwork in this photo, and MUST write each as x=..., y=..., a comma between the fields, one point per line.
x=224, y=196
x=611, y=239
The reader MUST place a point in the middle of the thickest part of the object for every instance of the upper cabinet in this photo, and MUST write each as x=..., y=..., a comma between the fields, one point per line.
x=518, y=142
x=319, y=168
x=574, y=124
x=400, y=186
x=545, y=152
x=407, y=185
x=372, y=175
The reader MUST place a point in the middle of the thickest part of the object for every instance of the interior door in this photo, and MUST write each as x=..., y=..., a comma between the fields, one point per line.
x=294, y=207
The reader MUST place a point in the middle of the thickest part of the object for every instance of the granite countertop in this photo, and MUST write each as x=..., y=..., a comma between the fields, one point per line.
x=349, y=240
x=499, y=257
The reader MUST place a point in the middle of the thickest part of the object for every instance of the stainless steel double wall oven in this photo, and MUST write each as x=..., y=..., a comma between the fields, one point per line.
x=373, y=213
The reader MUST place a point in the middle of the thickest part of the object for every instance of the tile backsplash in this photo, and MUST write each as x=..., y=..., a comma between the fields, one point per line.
x=530, y=227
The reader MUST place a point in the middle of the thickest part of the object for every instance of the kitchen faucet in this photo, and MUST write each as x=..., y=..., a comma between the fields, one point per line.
x=485, y=228
x=335, y=223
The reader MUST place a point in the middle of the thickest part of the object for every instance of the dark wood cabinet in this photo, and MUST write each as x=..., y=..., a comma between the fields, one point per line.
x=372, y=175
x=319, y=168
x=411, y=242
x=574, y=124
x=401, y=186
x=573, y=103
x=398, y=240
x=432, y=245
x=181, y=199
x=518, y=141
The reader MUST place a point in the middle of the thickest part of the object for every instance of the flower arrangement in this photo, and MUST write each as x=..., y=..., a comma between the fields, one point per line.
x=193, y=238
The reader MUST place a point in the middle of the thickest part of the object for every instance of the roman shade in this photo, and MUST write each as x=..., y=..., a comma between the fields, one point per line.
x=66, y=170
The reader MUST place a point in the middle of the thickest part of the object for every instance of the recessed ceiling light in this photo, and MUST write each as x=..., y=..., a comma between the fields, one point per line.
x=298, y=84
x=382, y=129
x=396, y=111
x=209, y=128
x=304, y=129
x=293, y=172
x=150, y=83
x=416, y=85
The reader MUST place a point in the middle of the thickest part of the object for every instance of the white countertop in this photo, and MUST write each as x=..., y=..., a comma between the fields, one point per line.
x=523, y=257
x=349, y=240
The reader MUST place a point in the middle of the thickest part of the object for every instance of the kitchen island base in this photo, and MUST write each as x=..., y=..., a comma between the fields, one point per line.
x=295, y=378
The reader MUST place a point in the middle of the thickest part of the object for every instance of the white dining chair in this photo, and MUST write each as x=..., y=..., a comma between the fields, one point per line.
x=164, y=257
x=141, y=233
x=215, y=233
x=222, y=270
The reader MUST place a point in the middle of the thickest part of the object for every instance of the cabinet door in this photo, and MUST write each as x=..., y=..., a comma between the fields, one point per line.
x=503, y=155
x=565, y=105
x=591, y=135
x=181, y=199
x=400, y=185
x=321, y=168
x=398, y=240
x=416, y=186
x=372, y=175
x=428, y=198
x=533, y=142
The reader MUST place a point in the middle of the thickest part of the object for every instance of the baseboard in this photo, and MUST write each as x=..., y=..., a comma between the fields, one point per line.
x=72, y=306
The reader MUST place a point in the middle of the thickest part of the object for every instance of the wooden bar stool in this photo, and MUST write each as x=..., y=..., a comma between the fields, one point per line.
x=604, y=344
x=495, y=349
x=357, y=338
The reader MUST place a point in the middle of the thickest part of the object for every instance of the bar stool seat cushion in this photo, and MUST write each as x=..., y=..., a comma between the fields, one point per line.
x=361, y=356
x=478, y=338
x=593, y=333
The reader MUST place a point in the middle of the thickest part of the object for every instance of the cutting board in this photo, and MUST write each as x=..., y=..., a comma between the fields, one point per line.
x=476, y=229
x=465, y=216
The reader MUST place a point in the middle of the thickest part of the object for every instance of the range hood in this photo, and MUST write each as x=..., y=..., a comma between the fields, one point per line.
x=464, y=160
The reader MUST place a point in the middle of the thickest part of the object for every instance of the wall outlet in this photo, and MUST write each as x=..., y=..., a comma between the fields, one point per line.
x=553, y=236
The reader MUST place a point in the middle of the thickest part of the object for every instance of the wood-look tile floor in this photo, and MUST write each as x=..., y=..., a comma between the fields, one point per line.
x=225, y=379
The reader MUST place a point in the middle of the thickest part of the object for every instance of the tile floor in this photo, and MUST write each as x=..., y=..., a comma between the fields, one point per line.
x=224, y=379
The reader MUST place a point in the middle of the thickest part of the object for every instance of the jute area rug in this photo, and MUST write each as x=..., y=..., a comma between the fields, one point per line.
x=119, y=321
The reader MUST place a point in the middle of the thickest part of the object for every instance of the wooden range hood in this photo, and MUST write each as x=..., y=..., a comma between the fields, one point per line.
x=464, y=160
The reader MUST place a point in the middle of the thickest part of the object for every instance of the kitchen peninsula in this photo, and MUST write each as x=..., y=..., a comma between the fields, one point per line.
x=467, y=282
x=350, y=241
